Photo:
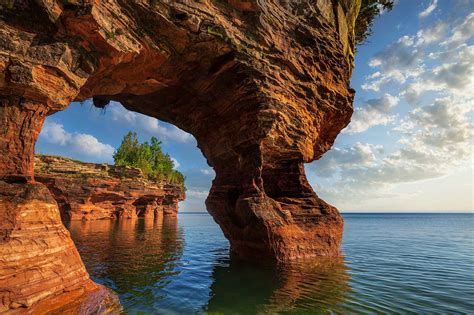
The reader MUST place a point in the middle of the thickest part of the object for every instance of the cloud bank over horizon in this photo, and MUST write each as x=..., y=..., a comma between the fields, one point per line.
x=421, y=86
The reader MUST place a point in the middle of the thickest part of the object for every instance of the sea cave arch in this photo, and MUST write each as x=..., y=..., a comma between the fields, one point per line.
x=263, y=87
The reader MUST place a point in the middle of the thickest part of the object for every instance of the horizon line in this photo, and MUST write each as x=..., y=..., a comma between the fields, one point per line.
x=378, y=212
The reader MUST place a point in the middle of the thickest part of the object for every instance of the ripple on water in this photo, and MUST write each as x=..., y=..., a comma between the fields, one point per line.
x=392, y=264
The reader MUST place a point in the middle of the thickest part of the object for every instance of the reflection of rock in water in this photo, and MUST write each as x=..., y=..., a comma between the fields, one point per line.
x=309, y=286
x=130, y=256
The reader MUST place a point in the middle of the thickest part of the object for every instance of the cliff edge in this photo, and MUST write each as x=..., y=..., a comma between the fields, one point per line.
x=263, y=86
x=88, y=191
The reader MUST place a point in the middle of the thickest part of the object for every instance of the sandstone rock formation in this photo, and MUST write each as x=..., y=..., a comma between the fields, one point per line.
x=262, y=85
x=40, y=267
x=88, y=191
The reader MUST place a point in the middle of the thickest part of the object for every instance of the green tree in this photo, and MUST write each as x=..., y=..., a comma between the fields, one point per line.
x=126, y=154
x=148, y=157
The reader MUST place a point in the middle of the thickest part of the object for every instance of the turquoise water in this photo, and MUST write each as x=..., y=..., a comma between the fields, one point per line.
x=393, y=263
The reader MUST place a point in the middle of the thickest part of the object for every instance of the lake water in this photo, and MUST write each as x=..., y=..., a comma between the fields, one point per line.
x=393, y=263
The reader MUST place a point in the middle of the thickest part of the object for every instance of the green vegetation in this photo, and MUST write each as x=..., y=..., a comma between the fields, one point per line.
x=148, y=157
x=369, y=9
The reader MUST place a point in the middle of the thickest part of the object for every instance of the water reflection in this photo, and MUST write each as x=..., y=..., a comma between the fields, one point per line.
x=394, y=264
x=133, y=257
x=310, y=286
x=156, y=268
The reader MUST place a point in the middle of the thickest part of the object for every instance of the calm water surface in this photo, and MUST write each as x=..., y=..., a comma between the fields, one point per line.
x=393, y=263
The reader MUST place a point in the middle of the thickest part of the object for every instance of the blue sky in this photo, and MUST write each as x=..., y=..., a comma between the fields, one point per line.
x=408, y=147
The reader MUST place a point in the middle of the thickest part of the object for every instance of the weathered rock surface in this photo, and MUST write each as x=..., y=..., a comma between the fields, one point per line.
x=88, y=191
x=40, y=268
x=263, y=86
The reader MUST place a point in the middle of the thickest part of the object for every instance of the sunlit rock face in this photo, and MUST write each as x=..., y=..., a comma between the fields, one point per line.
x=40, y=268
x=263, y=86
x=88, y=191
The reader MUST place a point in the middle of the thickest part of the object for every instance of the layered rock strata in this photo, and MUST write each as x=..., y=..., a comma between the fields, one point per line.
x=88, y=191
x=262, y=85
x=40, y=268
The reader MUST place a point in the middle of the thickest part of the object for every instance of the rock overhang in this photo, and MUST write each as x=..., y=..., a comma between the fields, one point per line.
x=263, y=86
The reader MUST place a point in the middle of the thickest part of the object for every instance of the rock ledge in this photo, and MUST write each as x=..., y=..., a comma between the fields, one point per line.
x=88, y=191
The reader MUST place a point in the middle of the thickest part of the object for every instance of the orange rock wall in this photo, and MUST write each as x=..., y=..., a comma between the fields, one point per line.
x=262, y=85
x=40, y=268
x=88, y=191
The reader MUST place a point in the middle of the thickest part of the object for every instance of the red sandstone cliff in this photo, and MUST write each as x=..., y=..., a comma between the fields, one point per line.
x=88, y=191
x=40, y=268
x=262, y=85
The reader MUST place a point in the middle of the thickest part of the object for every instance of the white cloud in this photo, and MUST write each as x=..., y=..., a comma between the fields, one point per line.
x=198, y=182
x=452, y=75
x=359, y=155
x=199, y=179
x=457, y=75
x=147, y=124
x=400, y=55
x=375, y=112
x=444, y=125
x=175, y=162
x=433, y=71
x=436, y=139
x=196, y=193
x=432, y=34
x=89, y=145
x=206, y=171
x=429, y=9
x=54, y=133
x=462, y=32
x=413, y=92
x=79, y=143
x=396, y=63
x=404, y=62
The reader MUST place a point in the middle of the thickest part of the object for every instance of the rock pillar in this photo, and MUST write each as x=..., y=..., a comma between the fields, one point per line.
x=20, y=124
x=40, y=268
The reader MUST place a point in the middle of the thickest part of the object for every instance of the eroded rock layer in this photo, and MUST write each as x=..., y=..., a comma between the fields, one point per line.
x=88, y=191
x=40, y=268
x=262, y=85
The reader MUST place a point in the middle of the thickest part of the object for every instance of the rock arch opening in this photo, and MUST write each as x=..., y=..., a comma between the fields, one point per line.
x=261, y=97
x=74, y=158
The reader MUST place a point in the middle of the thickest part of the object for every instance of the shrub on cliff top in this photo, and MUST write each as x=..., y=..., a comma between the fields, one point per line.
x=148, y=157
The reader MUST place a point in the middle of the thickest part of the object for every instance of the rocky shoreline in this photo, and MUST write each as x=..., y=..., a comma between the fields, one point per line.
x=89, y=191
